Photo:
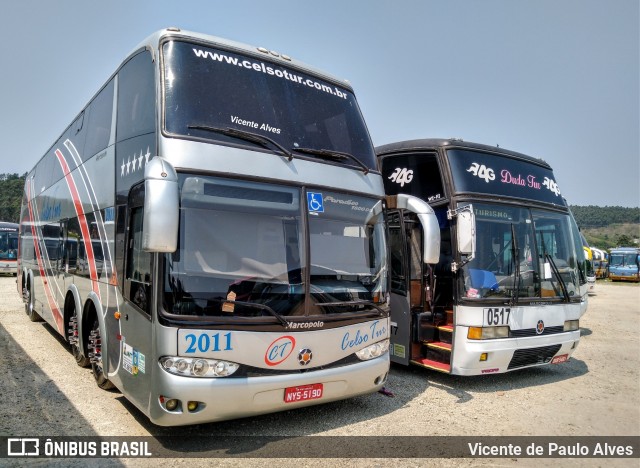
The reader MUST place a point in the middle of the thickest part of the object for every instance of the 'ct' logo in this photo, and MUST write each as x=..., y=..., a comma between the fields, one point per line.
x=279, y=350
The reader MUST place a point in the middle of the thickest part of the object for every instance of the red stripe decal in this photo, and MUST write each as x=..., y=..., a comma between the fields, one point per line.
x=82, y=219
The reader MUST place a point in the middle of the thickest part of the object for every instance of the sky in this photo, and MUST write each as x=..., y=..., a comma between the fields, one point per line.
x=554, y=79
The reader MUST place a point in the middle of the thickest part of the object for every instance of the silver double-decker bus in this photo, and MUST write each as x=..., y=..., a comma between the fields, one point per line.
x=208, y=234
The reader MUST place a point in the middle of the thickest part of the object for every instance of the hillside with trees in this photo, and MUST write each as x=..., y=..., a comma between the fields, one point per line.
x=608, y=226
x=11, y=188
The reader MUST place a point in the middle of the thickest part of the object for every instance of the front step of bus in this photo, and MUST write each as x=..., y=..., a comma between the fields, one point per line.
x=436, y=345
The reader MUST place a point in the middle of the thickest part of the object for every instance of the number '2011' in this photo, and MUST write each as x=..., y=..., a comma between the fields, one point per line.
x=205, y=343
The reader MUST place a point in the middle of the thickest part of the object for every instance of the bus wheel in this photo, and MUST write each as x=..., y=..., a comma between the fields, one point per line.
x=29, y=306
x=95, y=356
x=74, y=341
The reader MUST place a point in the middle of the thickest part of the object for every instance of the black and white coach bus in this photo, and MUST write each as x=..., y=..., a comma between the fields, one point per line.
x=508, y=286
x=208, y=234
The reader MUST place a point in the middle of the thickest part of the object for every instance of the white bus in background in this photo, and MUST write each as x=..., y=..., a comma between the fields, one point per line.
x=508, y=285
x=8, y=247
x=208, y=234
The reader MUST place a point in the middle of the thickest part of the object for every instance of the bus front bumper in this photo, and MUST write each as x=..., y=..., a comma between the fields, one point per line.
x=509, y=354
x=230, y=398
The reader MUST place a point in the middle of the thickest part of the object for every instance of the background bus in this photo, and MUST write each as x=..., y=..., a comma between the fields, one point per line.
x=8, y=247
x=588, y=259
x=208, y=234
x=509, y=285
x=623, y=264
x=600, y=263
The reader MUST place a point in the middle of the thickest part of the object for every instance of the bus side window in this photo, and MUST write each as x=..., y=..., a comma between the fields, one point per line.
x=136, y=98
x=138, y=272
x=98, y=128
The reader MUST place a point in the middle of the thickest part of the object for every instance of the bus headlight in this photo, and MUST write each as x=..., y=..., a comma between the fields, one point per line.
x=197, y=367
x=487, y=333
x=571, y=325
x=373, y=351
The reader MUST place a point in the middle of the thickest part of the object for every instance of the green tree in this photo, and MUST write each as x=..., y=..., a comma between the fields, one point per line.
x=11, y=189
x=623, y=240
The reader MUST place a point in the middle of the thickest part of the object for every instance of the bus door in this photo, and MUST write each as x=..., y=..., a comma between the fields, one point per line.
x=410, y=288
x=414, y=240
x=134, y=364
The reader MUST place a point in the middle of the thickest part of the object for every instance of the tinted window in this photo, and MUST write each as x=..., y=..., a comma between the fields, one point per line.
x=138, y=264
x=413, y=174
x=98, y=128
x=136, y=97
x=475, y=171
x=205, y=87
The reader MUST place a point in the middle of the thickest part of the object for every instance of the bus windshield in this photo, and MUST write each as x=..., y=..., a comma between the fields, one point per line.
x=622, y=259
x=238, y=99
x=8, y=245
x=242, y=253
x=521, y=253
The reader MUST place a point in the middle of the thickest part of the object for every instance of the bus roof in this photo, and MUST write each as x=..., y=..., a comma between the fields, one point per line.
x=5, y=226
x=625, y=250
x=152, y=41
x=434, y=143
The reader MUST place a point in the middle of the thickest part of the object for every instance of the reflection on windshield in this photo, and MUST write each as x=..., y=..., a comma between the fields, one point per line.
x=242, y=251
x=521, y=253
x=348, y=258
x=208, y=88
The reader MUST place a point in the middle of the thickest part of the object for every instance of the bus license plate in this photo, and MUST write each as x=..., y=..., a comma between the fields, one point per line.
x=303, y=393
x=560, y=359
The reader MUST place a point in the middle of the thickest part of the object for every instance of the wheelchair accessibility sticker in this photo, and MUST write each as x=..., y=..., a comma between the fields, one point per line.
x=315, y=202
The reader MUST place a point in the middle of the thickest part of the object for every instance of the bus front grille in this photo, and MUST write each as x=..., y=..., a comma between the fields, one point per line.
x=526, y=332
x=531, y=356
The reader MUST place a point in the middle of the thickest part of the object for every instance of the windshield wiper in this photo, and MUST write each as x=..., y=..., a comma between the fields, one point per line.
x=254, y=305
x=556, y=272
x=516, y=271
x=346, y=303
x=331, y=154
x=261, y=140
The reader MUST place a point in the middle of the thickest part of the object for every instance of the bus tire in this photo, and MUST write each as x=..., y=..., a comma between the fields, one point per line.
x=96, y=360
x=29, y=306
x=74, y=338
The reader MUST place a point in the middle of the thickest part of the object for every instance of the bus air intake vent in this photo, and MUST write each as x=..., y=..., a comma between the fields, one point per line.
x=532, y=356
x=525, y=332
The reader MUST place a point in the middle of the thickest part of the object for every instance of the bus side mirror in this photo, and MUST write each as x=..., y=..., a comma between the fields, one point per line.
x=428, y=220
x=161, y=207
x=466, y=231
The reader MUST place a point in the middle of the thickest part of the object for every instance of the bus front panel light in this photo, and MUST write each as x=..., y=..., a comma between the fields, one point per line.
x=487, y=333
x=571, y=325
x=197, y=367
x=192, y=406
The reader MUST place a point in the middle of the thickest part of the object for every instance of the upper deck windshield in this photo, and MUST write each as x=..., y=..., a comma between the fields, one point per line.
x=209, y=91
x=8, y=245
x=522, y=253
x=243, y=252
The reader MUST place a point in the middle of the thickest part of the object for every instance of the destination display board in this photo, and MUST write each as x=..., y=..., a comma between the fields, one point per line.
x=492, y=174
